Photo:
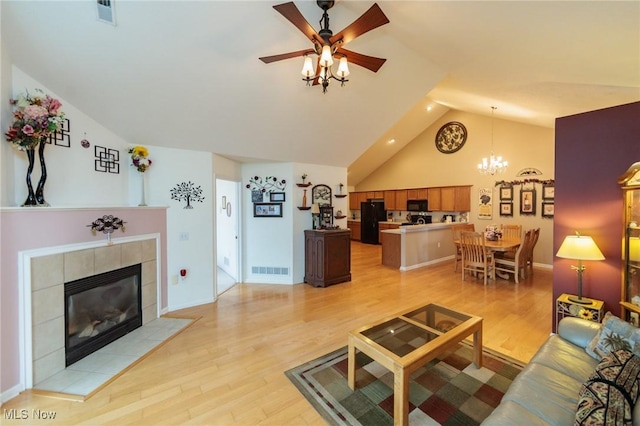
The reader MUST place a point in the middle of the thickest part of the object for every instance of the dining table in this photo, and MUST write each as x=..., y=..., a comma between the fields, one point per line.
x=499, y=245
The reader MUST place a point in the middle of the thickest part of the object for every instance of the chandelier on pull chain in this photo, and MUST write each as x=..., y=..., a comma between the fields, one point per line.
x=493, y=164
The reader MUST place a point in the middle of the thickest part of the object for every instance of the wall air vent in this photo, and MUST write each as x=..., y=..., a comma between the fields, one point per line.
x=106, y=11
x=269, y=270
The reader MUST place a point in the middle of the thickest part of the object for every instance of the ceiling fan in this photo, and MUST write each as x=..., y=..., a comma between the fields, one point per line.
x=327, y=46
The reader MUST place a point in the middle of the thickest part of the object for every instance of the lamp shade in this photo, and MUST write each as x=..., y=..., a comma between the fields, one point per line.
x=343, y=68
x=307, y=67
x=326, y=58
x=579, y=247
x=315, y=209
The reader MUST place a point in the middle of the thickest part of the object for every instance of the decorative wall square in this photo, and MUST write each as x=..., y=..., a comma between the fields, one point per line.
x=61, y=137
x=107, y=160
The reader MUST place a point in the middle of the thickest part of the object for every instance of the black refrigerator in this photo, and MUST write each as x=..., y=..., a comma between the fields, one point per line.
x=371, y=213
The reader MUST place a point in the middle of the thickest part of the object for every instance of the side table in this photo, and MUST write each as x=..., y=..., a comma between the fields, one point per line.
x=566, y=308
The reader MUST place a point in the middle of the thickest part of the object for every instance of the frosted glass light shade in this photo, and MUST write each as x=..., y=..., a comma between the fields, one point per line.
x=326, y=58
x=307, y=67
x=343, y=68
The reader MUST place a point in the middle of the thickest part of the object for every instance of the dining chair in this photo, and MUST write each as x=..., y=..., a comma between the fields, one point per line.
x=511, y=232
x=517, y=264
x=476, y=258
x=532, y=245
x=456, y=230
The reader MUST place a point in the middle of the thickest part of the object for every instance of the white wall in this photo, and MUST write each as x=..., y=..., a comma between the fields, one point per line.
x=71, y=176
x=281, y=240
x=190, y=232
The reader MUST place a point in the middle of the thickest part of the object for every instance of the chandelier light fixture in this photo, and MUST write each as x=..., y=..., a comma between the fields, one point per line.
x=493, y=164
x=326, y=52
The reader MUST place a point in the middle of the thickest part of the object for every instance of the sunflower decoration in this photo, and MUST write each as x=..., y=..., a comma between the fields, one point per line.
x=140, y=158
x=585, y=314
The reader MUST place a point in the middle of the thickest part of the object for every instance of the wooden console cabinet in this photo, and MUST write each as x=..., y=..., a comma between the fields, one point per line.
x=327, y=257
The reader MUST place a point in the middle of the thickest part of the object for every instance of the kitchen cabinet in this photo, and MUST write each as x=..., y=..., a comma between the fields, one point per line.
x=377, y=195
x=401, y=199
x=355, y=229
x=433, y=195
x=353, y=201
x=390, y=200
x=455, y=199
x=630, y=303
x=327, y=258
x=412, y=194
x=362, y=198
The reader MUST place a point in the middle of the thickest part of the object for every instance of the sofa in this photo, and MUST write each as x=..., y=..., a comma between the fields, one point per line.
x=550, y=387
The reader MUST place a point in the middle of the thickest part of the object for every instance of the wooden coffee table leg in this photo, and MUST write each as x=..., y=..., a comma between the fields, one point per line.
x=477, y=347
x=351, y=365
x=400, y=396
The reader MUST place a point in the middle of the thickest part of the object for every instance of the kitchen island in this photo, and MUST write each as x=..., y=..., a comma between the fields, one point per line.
x=415, y=246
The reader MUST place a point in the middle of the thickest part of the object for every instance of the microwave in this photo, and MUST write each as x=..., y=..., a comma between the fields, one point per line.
x=417, y=205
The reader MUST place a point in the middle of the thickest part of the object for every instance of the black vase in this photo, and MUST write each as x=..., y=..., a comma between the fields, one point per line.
x=31, y=198
x=43, y=175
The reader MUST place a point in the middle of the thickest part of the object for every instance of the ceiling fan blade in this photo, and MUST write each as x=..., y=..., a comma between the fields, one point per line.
x=371, y=19
x=282, y=56
x=369, y=62
x=292, y=13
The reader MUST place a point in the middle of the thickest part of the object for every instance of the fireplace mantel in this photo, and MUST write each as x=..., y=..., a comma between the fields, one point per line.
x=26, y=229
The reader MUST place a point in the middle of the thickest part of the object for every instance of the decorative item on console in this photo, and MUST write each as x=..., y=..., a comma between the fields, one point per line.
x=107, y=224
x=34, y=120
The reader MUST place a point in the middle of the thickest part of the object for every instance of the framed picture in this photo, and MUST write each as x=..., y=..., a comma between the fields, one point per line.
x=506, y=193
x=267, y=210
x=485, y=204
x=548, y=192
x=321, y=195
x=506, y=209
x=256, y=196
x=224, y=202
x=547, y=209
x=528, y=201
x=275, y=197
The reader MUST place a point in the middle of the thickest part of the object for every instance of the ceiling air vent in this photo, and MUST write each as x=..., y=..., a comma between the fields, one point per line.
x=106, y=11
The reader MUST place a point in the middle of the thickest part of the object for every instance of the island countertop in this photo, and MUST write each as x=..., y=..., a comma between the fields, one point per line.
x=414, y=246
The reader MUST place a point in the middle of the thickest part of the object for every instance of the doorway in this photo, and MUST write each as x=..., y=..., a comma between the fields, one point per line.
x=227, y=235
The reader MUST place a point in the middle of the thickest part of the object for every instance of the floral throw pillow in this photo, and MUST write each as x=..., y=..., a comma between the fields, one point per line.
x=608, y=396
x=615, y=334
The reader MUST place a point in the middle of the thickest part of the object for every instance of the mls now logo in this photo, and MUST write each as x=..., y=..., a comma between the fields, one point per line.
x=24, y=414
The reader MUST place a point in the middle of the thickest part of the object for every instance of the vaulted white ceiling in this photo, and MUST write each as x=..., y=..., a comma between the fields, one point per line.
x=186, y=74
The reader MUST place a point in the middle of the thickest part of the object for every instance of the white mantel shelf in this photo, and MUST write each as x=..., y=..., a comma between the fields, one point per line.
x=76, y=208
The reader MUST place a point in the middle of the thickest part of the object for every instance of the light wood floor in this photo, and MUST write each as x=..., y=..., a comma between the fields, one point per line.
x=228, y=368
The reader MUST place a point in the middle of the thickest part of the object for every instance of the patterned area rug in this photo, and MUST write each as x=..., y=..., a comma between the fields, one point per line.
x=449, y=390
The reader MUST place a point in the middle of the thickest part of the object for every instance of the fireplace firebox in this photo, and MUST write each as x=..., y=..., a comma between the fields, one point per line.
x=100, y=309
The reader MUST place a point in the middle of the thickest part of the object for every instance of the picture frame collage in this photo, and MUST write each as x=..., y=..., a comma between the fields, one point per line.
x=528, y=201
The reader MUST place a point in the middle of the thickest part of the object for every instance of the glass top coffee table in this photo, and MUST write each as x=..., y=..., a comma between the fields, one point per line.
x=407, y=341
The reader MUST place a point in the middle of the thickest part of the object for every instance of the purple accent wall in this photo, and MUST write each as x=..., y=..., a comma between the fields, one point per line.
x=592, y=150
x=33, y=228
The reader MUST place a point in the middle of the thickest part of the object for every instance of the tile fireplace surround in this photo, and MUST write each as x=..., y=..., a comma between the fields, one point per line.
x=49, y=272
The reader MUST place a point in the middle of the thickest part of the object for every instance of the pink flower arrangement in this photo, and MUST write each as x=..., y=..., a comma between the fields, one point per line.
x=35, y=118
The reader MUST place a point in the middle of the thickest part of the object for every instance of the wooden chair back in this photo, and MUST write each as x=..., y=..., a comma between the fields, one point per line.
x=517, y=264
x=511, y=232
x=475, y=256
x=456, y=230
x=532, y=245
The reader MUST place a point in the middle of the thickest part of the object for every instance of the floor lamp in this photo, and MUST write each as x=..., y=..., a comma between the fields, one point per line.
x=579, y=247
